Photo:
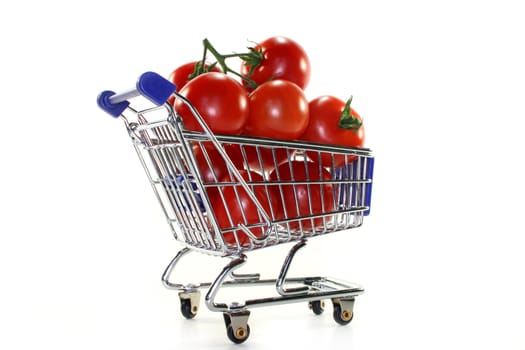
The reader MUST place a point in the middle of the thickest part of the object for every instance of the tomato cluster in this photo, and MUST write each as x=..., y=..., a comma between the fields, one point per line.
x=266, y=98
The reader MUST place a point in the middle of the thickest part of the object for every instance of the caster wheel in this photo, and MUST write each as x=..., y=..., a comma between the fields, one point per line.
x=341, y=316
x=317, y=306
x=238, y=335
x=186, y=309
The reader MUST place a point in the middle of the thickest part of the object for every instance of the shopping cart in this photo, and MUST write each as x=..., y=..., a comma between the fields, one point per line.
x=253, y=208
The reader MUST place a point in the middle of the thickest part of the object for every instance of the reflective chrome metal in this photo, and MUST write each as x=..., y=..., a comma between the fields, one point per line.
x=167, y=153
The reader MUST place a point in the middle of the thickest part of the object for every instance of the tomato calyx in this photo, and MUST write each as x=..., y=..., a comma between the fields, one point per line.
x=347, y=120
x=253, y=56
x=253, y=59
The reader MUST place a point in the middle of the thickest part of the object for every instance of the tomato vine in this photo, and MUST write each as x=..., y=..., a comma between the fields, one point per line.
x=253, y=58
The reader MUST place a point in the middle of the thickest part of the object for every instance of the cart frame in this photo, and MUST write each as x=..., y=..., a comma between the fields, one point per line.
x=166, y=152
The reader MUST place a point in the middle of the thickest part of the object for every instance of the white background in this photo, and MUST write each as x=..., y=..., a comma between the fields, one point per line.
x=440, y=85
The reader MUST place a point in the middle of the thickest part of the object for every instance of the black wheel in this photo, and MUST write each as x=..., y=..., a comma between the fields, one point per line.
x=317, y=306
x=342, y=317
x=186, y=309
x=238, y=335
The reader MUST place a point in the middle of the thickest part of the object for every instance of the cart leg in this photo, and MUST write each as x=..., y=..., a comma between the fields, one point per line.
x=237, y=328
x=167, y=272
x=189, y=295
x=284, y=271
x=343, y=310
x=215, y=286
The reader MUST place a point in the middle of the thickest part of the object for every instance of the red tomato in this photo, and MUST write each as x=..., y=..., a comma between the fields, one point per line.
x=259, y=159
x=325, y=127
x=283, y=58
x=241, y=208
x=278, y=110
x=303, y=199
x=221, y=101
x=181, y=75
x=212, y=165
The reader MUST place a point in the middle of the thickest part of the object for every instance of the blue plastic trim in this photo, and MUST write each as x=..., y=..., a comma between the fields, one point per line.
x=154, y=87
x=177, y=185
x=114, y=109
x=368, y=187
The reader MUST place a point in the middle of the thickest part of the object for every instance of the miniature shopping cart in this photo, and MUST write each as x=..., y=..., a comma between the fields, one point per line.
x=168, y=153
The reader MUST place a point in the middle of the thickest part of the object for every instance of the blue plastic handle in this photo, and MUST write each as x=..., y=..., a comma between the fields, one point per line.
x=150, y=85
x=368, y=186
x=155, y=88
x=114, y=109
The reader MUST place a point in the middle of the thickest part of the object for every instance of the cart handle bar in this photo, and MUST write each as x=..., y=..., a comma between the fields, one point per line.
x=150, y=85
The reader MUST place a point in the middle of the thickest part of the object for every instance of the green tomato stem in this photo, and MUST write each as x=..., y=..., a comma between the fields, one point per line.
x=347, y=120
